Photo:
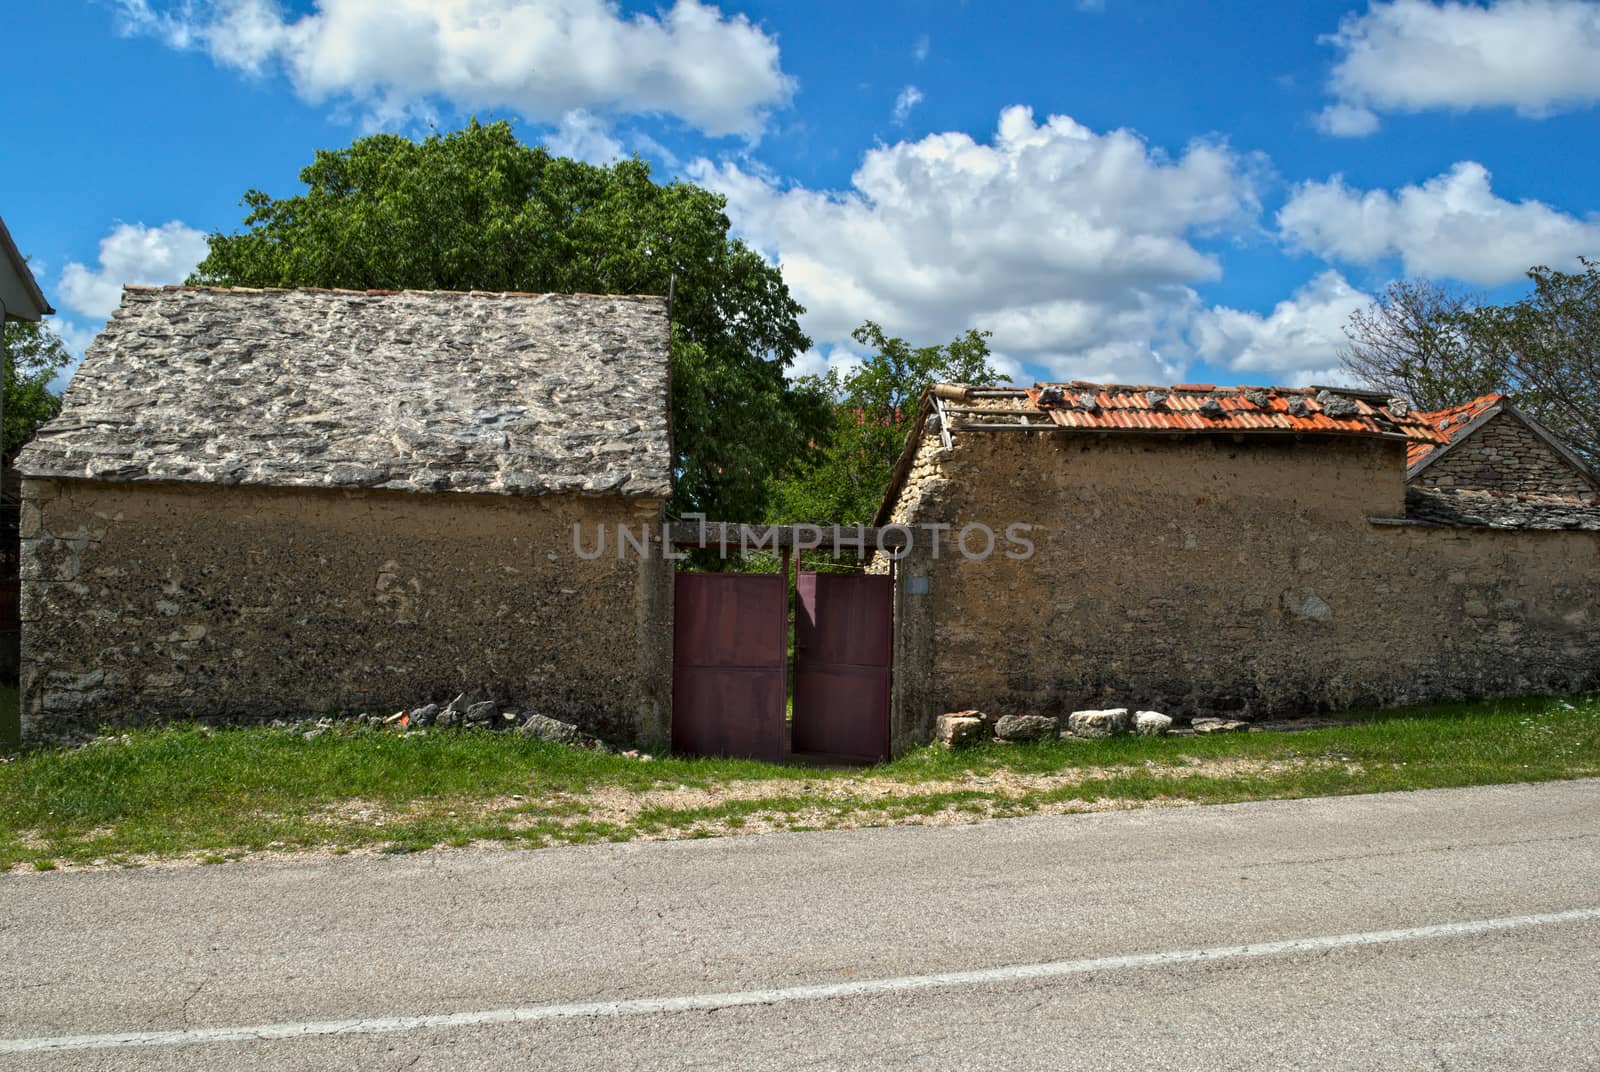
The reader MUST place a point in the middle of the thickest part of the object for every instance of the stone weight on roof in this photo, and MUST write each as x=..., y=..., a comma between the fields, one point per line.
x=414, y=391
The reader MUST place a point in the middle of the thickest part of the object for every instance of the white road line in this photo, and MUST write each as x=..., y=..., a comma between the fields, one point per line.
x=737, y=999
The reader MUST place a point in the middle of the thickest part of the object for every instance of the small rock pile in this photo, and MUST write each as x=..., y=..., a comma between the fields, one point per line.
x=459, y=714
x=968, y=727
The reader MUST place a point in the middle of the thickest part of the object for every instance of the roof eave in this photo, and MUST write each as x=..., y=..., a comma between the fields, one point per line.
x=30, y=467
x=30, y=285
x=1192, y=433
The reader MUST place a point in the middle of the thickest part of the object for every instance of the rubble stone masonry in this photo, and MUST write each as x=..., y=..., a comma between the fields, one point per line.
x=158, y=601
x=1214, y=575
x=1506, y=455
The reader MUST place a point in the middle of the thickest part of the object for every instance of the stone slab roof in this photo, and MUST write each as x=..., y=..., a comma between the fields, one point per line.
x=1500, y=510
x=516, y=394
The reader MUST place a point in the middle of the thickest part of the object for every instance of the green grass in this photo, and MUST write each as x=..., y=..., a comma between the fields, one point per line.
x=213, y=797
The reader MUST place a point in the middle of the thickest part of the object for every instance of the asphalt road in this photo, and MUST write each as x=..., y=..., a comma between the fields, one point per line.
x=1448, y=929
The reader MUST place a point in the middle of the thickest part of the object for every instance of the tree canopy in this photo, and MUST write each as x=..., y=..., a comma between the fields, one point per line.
x=1440, y=348
x=478, y=210
x=875, y=408
x=35, y=355
x=1411, y=343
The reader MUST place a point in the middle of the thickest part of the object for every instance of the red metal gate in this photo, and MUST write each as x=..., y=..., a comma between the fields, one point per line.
x=842, y=645
x=729, y=644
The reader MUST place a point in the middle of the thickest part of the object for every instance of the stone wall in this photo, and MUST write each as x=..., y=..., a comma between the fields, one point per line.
x=159, y=601
x=1506, y=455
x=1213, y=576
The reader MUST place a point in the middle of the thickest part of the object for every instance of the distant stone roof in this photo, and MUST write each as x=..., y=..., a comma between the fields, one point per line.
x=20, y=296
x=1500, y=510
x=515, y=394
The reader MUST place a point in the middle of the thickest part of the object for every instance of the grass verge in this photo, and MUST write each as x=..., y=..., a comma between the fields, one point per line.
x=210, y=797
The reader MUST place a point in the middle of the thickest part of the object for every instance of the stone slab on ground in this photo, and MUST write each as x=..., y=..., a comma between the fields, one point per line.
x=1025, y=727
x=1110, y=722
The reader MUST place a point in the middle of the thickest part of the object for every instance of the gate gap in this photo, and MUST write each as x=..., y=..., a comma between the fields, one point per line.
x=792, y=665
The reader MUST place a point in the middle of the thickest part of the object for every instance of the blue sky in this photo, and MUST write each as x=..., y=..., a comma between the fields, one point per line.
x=1144, y=191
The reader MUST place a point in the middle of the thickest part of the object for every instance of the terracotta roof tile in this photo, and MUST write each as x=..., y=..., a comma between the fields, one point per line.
x=1451, y=423
x=1203, y=408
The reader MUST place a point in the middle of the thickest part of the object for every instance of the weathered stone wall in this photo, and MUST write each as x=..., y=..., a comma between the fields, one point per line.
x=158, y=601
x=916, y=693
x=1506, y=455
x=1206, y=575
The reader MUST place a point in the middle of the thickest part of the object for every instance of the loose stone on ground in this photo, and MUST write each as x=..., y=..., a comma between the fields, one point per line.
x=1111, y=722
x=1024, y=727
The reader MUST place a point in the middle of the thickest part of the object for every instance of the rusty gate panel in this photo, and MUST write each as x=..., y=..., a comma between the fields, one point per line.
x=842, y=648
x=729, y=644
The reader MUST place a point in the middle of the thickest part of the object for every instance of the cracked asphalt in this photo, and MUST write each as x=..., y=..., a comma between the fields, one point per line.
x=317, y=940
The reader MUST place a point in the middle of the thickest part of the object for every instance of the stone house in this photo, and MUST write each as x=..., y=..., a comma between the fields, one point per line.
x=1204, y=550
x=1491, y=445
x=261, y=503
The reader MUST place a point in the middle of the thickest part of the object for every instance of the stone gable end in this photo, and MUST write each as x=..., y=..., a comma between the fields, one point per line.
x=1506, y=455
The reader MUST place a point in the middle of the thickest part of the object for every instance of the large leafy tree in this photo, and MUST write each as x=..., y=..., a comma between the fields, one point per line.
x=875, y=408
x=478, y=210
x=35, y=355
x=1440, y=348
x=1548, y=346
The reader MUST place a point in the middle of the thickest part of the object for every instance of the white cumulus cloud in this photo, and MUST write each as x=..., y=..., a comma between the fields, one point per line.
x=1452, y=225
x=1300, y=339
x=1535, y=56
x=1074, y=247
x=131, y=253
x=584, y=137
x=816, y=363
x=1347, y=120
x=542, y=58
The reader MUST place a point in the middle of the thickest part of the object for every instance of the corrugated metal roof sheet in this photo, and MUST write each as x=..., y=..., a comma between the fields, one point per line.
x=1451, y=423
x=1203, y=408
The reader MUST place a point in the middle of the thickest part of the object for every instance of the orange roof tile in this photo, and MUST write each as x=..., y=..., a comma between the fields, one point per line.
x=1451, y=423
x=1204, y=408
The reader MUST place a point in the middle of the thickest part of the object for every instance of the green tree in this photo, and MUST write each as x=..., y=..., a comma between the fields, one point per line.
x=478, y=210
x=1440, y=348
x=1548, y=345
x=875, y=407
x=35, y=355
